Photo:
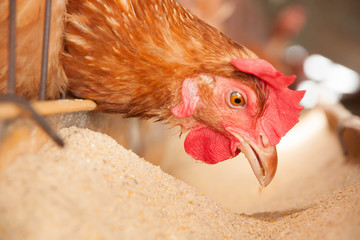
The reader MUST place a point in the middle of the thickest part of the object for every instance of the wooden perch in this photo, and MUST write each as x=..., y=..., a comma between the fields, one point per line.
x=11, y=110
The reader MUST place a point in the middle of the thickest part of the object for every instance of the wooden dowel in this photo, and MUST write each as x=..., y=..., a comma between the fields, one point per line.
x=10, y=110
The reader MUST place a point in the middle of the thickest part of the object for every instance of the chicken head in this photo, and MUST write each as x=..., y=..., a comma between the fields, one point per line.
x=228, y=116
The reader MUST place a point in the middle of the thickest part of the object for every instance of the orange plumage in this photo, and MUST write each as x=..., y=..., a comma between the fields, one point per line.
x=132, y=56
x=29, y=28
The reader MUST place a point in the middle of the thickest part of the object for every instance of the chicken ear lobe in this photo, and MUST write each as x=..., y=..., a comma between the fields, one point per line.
x=190, y=98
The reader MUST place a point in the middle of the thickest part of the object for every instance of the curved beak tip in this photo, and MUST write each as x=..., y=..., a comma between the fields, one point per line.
x=268, y=159
x=263, y=161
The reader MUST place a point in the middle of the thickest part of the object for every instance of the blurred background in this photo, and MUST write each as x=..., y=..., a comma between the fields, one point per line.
x=319, y=41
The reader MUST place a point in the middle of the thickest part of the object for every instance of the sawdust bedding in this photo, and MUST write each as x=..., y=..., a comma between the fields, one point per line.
x=96, y=189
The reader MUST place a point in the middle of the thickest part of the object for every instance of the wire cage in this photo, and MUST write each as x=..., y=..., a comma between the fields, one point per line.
x=11, y=96
x=42, y=106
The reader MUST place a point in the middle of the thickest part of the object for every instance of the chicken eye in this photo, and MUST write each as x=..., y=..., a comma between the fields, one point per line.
x=236, y=99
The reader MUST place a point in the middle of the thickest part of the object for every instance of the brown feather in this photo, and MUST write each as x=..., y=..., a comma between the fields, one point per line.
x=131, y=56
x=29, y=29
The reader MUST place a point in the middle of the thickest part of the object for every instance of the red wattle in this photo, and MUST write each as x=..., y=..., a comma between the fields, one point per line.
x=207, y=145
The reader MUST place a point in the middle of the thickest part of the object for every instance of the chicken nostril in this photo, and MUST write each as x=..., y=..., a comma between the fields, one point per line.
x=264, y=140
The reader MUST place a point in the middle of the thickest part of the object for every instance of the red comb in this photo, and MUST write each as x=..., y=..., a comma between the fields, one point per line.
x=282, y=109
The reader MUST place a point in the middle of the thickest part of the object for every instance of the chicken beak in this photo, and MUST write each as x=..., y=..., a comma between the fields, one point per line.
x=263, y=160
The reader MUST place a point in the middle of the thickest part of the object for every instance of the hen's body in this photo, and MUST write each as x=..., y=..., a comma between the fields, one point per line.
x=151, y=47
x=29, y=29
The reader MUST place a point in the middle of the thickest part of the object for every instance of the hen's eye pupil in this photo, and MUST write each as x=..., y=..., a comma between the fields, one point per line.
x=237, y=100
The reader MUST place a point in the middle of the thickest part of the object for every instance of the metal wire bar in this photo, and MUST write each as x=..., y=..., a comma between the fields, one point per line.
x=12, y=47
x=45, y=50
x=11, y=88
x=38, y=118
x=63, y=95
